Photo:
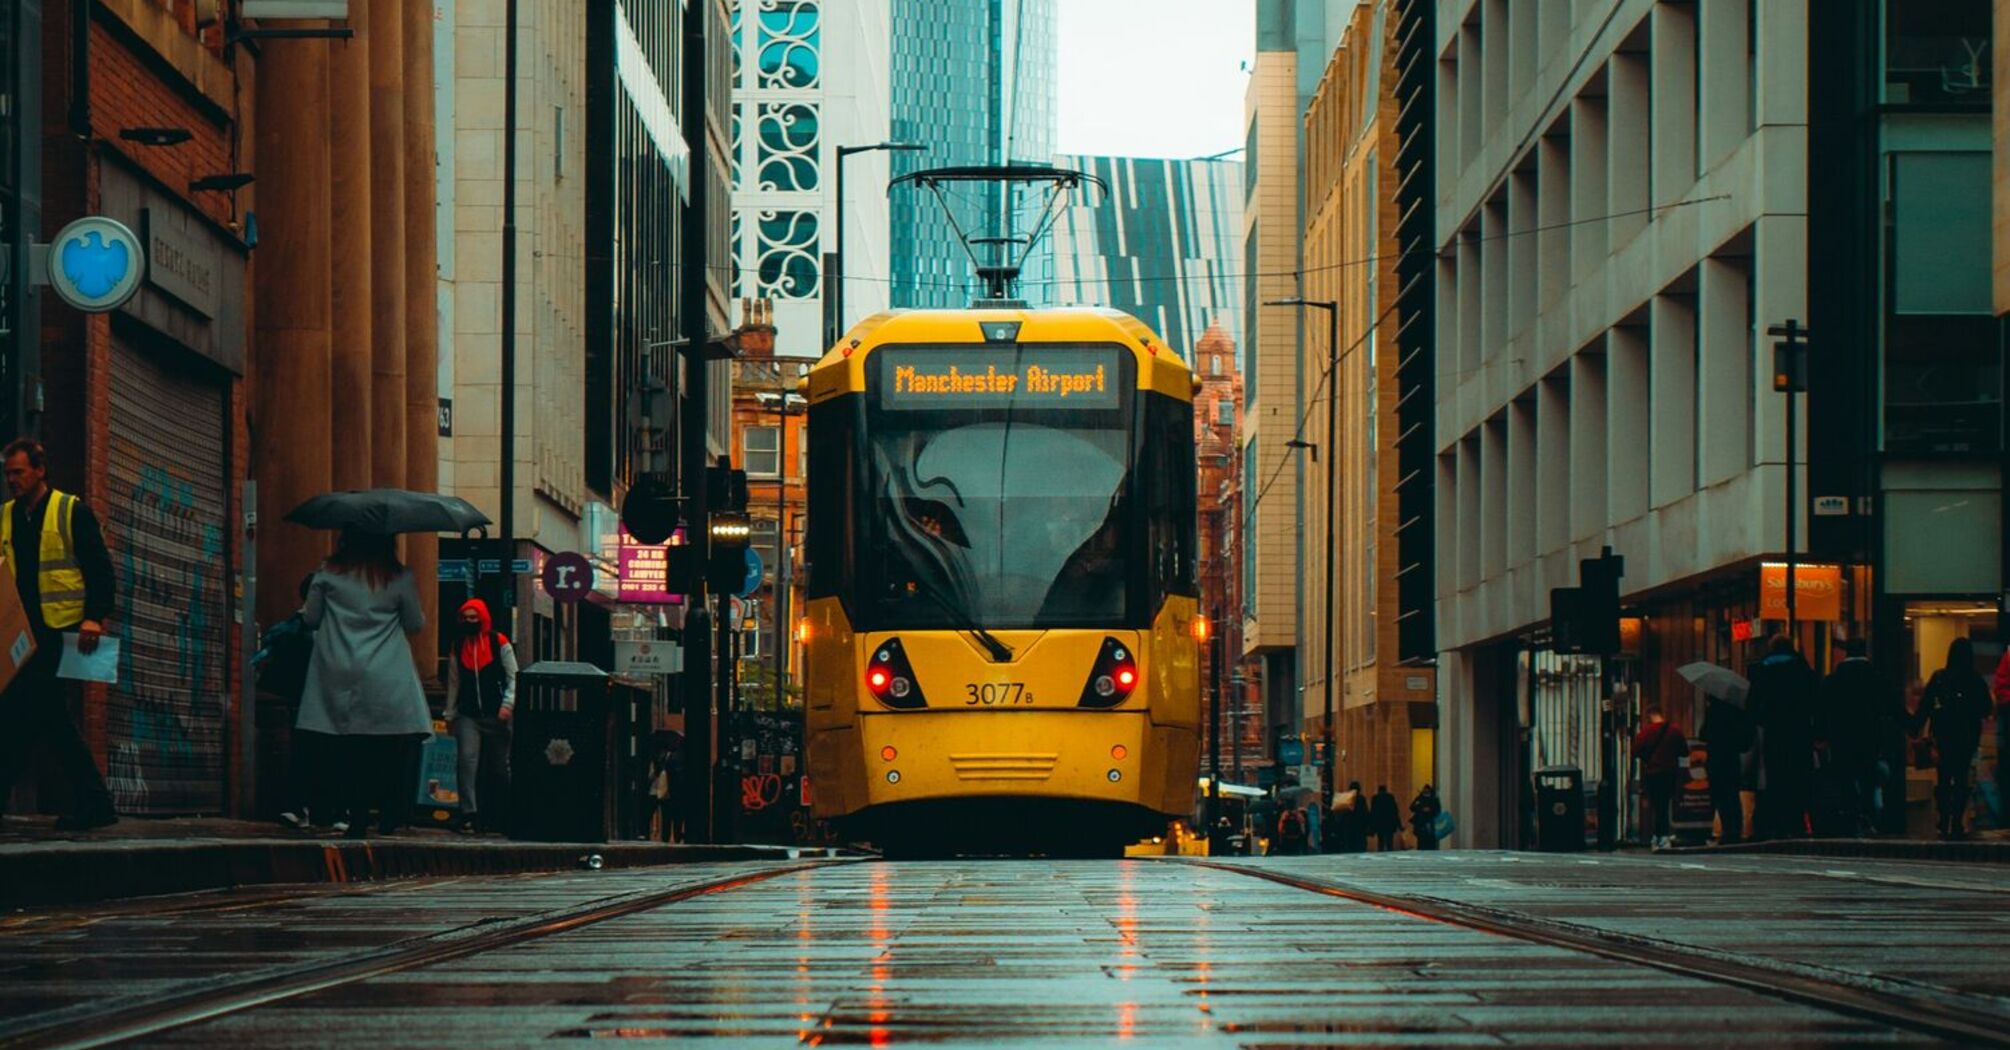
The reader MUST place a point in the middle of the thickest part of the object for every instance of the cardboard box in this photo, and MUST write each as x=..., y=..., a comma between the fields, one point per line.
x=17, y=638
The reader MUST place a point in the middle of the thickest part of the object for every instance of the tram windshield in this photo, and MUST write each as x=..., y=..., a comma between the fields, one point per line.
x=999, y=487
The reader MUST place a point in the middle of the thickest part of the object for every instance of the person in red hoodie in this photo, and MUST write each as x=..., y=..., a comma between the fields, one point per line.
x=1662, y=751
x=481, y=695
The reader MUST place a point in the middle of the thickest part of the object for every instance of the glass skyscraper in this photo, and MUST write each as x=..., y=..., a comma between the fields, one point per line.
x=1164, y=247
x=973, y=80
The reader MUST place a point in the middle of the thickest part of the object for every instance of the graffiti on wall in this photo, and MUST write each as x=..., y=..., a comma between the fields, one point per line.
x=169, y=708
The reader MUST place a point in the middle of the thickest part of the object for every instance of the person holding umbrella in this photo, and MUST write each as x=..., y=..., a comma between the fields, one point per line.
x=1727, y=735
x=362, y=686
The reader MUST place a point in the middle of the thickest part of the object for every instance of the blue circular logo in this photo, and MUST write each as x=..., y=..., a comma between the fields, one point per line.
x=95, y=264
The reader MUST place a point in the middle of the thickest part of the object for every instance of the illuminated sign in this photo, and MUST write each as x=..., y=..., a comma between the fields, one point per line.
x=644, y=571
x=1817, y=592
x=1019, y=376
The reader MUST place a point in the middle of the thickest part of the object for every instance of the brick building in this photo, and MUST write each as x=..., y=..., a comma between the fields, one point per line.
x=144, y=407
x=1384, y=715
x=1217, y=420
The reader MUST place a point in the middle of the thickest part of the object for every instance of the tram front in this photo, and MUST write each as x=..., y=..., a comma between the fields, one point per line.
x=1001, y=649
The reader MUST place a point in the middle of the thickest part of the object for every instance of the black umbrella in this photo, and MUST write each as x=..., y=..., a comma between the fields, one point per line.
x=388, y=512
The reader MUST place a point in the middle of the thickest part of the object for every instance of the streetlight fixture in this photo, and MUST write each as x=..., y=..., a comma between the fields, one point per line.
x=1332, y=309
x=834, y=264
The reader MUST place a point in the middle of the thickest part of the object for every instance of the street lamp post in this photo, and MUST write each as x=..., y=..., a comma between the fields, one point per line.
x=834, y=275
x=1332, y=473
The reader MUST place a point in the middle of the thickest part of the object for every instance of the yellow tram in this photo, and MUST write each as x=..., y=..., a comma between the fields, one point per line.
x=1002, y=630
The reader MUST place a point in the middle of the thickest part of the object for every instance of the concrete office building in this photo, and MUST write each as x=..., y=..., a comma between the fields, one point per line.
x=1622, y=196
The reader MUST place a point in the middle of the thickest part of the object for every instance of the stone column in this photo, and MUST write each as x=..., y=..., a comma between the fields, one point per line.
x=348, y=275
x=388, y=287
x=291, y=298
x=422, y=328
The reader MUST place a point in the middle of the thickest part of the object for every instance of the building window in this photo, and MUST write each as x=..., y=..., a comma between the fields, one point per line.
x=1224, y=411
x=1937, y=52
x=763, y=536
x=761, y=452
x=1943, y=367
x=1214, y=364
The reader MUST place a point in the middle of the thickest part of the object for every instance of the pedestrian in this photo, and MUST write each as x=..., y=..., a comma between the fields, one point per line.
x=1663, y=753
x=362, y=685
x=1424, y=810
x=1955, y=702
x=1315, y=829
x=1354, y=837
x=481, y=697
x=63, y=573
x=1290, y=831
x=1845, y=728
x=1781, y=702
x=1333, y=827
x=1384, y=819
x=1728, y=737
x=285, y=653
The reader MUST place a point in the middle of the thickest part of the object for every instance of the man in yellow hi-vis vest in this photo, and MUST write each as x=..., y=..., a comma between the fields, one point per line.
x=52, y=542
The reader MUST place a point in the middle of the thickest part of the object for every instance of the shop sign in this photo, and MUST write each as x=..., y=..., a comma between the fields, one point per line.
x=1630, y=630
x=1817, y=592
x=1693, y=810
x=642, y=659
x=95, y=264
x=181, y=266
x=644, y=569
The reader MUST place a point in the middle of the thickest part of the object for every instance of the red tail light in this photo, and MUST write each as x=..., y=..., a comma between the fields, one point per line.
x=890, y=679
x=1113, y=677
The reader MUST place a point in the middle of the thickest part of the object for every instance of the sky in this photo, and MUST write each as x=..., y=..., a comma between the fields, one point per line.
x=1153, y=78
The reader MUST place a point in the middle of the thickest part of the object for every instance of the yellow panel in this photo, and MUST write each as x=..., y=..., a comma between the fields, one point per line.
x=1423, y=748
x=842, y=370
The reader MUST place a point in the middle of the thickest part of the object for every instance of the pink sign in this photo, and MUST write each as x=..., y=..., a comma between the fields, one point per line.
x=645, y=573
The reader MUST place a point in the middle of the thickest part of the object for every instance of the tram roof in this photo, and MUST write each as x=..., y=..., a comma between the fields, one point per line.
x=842, y=369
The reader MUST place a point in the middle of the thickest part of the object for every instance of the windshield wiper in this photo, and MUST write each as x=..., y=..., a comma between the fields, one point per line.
x=1000, y=652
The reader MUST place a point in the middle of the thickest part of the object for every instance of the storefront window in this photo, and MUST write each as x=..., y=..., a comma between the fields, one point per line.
x=1931, y=625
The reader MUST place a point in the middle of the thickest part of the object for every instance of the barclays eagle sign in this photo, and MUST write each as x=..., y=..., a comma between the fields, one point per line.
x=95, y=264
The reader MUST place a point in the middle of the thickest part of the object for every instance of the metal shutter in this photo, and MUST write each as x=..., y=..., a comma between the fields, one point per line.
x=165, y=525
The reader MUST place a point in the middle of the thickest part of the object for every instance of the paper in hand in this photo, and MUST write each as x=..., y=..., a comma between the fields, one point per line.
x=100, y=665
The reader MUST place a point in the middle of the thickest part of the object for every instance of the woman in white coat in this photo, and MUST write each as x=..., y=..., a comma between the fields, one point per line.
x=362, y=686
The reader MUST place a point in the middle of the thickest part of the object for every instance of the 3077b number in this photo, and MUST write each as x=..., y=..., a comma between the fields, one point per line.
x=996, y=694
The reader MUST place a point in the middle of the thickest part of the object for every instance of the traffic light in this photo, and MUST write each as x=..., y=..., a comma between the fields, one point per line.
x=1585, y=618
x=725, y=488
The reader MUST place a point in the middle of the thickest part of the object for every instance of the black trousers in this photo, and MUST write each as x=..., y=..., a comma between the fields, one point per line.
x=1385, y=841
x=378, y=773
x=309, y=785
x=1724, y=785
x=36, y=710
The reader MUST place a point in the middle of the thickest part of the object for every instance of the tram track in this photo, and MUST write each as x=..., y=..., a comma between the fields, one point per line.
x=105, y=1023
x=1927, y=1009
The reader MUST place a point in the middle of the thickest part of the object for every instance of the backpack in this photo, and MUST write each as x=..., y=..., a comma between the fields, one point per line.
x=289, y=649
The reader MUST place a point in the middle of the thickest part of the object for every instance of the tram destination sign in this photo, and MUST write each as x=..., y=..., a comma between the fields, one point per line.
x=1019, y=375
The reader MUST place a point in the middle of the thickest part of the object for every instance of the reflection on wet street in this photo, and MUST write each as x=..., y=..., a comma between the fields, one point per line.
x=947, y=954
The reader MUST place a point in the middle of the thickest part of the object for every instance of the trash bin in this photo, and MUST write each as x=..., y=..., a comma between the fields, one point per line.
x=1559, y=809
x=563, y=759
